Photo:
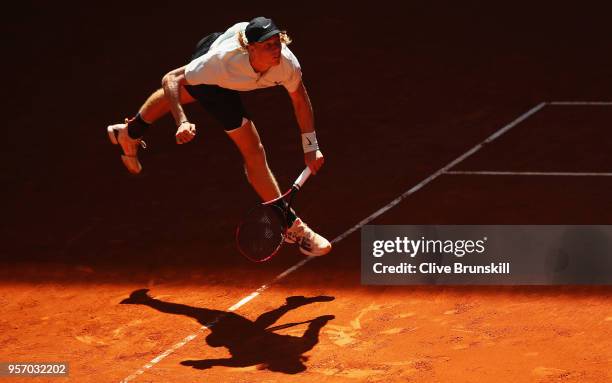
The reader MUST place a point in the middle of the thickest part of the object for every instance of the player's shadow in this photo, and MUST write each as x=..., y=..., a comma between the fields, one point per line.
x=250, y=343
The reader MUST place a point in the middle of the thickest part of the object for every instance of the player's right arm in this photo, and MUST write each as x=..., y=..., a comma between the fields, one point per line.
x=172, y=83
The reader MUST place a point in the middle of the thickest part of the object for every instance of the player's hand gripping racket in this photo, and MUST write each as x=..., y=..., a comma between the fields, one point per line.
x=263, y=230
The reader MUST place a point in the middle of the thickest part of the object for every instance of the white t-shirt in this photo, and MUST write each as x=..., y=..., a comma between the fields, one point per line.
x=228, y=66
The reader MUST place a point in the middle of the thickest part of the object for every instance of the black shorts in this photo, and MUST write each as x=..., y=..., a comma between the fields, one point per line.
x=224, y=104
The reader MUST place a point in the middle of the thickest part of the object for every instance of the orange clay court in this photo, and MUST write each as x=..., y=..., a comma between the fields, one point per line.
x=137, y=279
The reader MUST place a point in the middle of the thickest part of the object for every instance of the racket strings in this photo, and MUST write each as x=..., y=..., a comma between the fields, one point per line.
x=262, y=232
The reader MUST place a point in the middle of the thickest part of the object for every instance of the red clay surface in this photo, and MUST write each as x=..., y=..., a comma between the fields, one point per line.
x=80, y=234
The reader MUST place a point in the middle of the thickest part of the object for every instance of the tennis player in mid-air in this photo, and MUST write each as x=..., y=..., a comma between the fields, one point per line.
x=245, y=57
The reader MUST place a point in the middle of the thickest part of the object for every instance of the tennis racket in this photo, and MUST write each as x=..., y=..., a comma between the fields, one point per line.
x=262, y=231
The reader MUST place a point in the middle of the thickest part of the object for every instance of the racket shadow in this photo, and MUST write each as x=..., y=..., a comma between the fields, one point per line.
x=250, y=343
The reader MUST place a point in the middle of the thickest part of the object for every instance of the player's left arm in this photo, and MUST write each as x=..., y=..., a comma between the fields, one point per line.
x=305, y=118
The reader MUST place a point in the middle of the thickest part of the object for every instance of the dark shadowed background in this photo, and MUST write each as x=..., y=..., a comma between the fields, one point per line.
x=399, y=89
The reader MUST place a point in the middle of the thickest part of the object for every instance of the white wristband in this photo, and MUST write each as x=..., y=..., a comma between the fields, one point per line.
x=309, y=142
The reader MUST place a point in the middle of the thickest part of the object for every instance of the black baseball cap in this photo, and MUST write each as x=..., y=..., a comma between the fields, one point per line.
x=260, y=29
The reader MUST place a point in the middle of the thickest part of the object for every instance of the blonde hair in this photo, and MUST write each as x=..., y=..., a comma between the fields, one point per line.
x=242, y=40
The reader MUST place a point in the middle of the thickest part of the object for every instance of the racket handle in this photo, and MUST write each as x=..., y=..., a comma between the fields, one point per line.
x=299, y=182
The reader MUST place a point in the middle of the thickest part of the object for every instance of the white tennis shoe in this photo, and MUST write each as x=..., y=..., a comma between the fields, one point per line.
x=118, y=135
x=310, y=242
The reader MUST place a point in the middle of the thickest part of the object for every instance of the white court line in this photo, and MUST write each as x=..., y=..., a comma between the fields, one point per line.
x=443, y=170
x=339, y=238
x=496, y=173
x=581, y=103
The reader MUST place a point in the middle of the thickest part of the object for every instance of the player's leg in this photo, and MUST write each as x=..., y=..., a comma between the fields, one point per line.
x=228, y=109
x=157, y=105
x=261, y=178
x=129, y=134
x=246, y=138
